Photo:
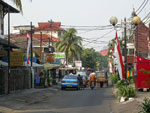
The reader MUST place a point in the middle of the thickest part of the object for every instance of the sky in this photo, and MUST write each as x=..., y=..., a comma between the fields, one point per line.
x=79, y=13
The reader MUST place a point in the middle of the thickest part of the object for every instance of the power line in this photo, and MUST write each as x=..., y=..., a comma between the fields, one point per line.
x=99, y=37
x=143, y=7
x=140, y=6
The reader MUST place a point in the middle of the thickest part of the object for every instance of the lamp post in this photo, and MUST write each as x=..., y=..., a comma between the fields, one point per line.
x=113, y=21
x=136, y=20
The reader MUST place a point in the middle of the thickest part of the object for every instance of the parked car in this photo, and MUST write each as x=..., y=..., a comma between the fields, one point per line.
x=70, y=81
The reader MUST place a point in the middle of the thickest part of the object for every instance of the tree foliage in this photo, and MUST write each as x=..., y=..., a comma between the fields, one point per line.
x=90, y=58
x=71, y=44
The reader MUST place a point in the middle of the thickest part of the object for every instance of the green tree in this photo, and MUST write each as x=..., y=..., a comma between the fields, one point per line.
x=71, y=44
x=18, y=3
x=90, y=58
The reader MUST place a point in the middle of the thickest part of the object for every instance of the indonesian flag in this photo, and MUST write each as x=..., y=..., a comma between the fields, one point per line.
x=110, y=67
x=119, y=59
x=28, y=46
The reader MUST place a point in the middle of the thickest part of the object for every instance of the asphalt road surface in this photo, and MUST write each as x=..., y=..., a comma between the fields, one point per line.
x=99, y=100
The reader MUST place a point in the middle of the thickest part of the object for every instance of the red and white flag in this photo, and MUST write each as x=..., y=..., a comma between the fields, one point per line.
x=28, y=46
x=119, y=58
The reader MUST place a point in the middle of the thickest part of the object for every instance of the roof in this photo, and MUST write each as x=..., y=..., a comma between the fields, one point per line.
x=5, y=43
x=5, y=5
x=51, y=66
x=35, y=37
x=49, y=26
x=46, y=37
x=104, y=52
x=21, y=40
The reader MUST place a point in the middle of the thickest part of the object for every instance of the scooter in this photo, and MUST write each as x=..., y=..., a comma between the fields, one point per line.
x=92, y=86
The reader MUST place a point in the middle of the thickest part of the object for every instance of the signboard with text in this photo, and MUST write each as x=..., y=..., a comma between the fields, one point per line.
x=59, y=55
x=16, y=59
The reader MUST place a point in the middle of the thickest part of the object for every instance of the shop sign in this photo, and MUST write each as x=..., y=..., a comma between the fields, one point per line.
x=59, y=55
x=16, y=58
x=49, y=58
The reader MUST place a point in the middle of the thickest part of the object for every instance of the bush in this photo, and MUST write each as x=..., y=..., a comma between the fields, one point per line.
x=126, y=91
x=130, y=79
x=145, y=106
x=120, y=83
x=114, y=78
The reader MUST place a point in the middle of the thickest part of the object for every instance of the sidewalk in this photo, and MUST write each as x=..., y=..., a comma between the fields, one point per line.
x=131, y=106
x=26, y=96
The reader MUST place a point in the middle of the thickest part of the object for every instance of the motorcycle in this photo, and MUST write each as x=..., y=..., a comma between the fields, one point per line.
x=92, y=85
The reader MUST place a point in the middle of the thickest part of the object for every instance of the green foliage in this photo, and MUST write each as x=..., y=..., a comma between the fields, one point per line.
x=145, y=71
x=130, y=79
x=145, y=106
x=120, y=83
x=126, y=91
x=45, y=74
x=90, y=58
x=114, y=78
x=48, y=80
x=70, y=44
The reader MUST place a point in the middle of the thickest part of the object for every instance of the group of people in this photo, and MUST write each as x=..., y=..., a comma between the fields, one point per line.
x=90, y=79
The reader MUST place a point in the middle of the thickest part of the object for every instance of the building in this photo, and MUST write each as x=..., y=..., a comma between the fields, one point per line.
x=104, y=52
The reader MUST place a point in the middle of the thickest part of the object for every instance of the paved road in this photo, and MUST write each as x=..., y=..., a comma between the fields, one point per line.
x=99, y=100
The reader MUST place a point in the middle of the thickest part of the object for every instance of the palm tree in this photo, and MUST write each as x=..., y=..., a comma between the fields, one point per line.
x=70, y=44
x=18, y=3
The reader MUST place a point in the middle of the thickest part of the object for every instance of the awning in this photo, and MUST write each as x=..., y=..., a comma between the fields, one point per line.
x=5, y=9
x=3, y=63
x=51, y=66
x=33, y=64
x=73, y=68
x=5, y=43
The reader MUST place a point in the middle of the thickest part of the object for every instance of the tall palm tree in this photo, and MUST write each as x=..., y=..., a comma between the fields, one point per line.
x=18, y=3
x=70, y=44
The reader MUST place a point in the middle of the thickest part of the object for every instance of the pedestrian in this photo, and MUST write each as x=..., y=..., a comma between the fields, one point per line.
x=80, y=80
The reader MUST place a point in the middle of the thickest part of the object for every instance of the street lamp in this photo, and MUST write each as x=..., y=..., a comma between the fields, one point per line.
x=136, y=20
x=113, y=20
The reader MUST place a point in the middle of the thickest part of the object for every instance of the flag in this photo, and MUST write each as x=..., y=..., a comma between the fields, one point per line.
x=110, y=67
x=119, y=58
x=28, y=46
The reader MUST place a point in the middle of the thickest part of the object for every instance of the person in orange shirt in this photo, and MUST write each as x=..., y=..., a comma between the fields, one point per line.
x=92, y=79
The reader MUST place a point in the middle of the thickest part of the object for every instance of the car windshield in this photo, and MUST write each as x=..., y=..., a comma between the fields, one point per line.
x=70, y=77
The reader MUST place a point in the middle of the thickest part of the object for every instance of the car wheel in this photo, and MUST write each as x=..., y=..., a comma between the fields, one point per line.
x=78, y=88
x=62, y=88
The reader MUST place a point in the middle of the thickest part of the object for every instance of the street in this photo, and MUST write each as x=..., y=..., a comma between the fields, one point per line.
x=48, y=100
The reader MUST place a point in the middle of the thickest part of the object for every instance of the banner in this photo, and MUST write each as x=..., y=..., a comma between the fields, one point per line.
x=119, y=58
x=28, y=46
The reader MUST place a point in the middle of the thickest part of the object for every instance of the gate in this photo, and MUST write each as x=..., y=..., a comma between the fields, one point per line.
x=142, y=80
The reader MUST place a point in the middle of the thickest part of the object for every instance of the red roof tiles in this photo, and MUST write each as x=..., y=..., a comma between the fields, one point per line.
x=49, y=26
x=104, y=52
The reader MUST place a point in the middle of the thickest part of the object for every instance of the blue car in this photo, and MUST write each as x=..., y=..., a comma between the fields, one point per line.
x=70, y=81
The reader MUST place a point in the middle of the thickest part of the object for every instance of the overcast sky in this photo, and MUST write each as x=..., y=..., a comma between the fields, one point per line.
x=78, y=13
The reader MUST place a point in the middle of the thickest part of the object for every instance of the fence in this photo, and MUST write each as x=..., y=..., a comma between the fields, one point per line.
x=20, y=78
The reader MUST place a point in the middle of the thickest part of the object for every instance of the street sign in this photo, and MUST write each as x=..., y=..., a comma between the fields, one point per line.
x=59, y=55
x=49, y=58
x=16, y=59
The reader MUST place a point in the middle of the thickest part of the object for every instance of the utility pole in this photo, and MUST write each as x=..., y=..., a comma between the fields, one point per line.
x=31, y=47
x=125, y=48
x=8, y=49
x=32, y=74
x=40, y=47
